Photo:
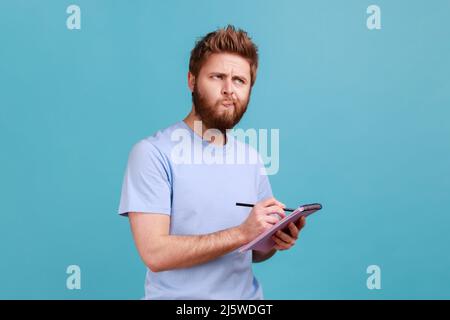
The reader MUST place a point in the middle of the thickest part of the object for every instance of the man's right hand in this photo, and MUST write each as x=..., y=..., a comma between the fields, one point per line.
x=261, y=218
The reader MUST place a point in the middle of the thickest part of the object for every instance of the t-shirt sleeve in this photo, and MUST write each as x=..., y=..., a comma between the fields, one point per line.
x=146, y=185
x=264, y=188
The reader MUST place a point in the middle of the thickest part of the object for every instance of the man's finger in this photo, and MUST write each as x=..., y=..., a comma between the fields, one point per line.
x=271, y=220
x=301, y=223
x=278, y=247
x=294, y=230
x=272, y=201
x=281, y=243
x=285, y=237
x=276, y=210
x=268, y=202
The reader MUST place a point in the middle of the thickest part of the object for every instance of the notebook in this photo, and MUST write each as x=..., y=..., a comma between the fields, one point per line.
x=264, y=241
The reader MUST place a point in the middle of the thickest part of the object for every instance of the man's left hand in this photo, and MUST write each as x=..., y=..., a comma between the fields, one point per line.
x=283, y=240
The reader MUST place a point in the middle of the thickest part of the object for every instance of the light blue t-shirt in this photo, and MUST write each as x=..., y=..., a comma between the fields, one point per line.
x=164, y=176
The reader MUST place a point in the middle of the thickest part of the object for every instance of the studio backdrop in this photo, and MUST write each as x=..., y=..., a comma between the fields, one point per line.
x=354, y=97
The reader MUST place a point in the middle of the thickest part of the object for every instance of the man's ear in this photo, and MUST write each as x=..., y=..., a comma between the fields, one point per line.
x=191, y=81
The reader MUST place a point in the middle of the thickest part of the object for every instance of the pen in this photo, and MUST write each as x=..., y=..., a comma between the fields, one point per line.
x=251, y=205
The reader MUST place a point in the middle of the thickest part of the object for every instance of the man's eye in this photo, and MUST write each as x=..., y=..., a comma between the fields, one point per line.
x=217, y=76
x=240, y=81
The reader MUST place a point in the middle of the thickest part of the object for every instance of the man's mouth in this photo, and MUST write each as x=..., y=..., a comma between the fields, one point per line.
x=228, y=104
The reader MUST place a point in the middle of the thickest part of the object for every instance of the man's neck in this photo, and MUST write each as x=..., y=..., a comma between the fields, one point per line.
x=200, y=131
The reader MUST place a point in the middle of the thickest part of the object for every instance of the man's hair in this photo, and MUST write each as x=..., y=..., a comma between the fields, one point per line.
x=226, y=40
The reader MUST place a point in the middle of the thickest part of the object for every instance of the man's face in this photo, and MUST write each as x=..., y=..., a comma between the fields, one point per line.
x=221, y=91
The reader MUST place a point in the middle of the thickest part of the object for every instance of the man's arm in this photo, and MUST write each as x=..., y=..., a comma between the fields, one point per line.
x=161, y=251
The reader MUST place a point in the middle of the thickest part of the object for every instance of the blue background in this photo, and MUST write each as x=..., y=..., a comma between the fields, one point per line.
x=364, y=129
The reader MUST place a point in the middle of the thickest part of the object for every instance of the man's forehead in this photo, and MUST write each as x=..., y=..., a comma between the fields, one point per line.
x=227, y=62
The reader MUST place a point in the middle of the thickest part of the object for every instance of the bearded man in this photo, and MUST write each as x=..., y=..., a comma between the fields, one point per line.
x=183, y=216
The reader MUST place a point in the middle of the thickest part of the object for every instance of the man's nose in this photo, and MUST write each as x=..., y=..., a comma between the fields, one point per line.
x=227, y=88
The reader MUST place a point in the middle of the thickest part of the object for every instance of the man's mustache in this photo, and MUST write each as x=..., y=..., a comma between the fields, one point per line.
x=228, y=100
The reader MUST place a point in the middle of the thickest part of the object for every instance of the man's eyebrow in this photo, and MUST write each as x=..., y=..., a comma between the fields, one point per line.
x=241, y=77
x=217, y=73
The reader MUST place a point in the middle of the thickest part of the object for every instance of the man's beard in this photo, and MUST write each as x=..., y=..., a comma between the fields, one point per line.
x=210, y=116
